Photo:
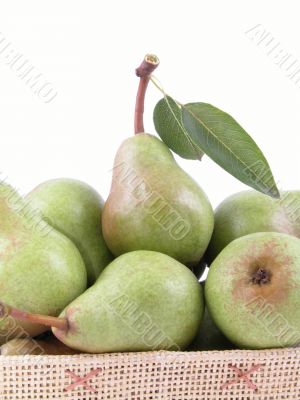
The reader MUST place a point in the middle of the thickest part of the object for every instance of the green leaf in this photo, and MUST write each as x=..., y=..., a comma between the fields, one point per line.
x=229, y=145
x=168, y=124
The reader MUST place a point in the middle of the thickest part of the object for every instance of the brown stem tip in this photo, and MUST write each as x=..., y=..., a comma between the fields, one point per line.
x=147, y=66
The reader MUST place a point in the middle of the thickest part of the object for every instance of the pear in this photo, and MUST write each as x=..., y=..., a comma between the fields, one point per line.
x=155, y=205
x=25, y=346
x=142, y=301
x=253, y=291
x=74, y=209
x=40, y=269
x=250, y=212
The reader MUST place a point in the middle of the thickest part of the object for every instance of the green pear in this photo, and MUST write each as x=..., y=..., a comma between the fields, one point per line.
x=253, y=291
x=250, y=212
x=19, y=347
x=142, y=301
x=74, y=209
x=155, y=205
x=209, y=337
x=40, y=269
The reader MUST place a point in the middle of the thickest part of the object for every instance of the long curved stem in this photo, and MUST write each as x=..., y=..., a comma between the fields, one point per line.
x=54, y=322
x=144, y=71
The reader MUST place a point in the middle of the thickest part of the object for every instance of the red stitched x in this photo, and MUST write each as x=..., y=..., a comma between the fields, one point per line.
x=242, y=376
x=81, y=381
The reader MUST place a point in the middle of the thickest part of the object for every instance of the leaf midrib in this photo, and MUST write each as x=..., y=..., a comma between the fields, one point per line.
x=218, y=140
x=198, y=150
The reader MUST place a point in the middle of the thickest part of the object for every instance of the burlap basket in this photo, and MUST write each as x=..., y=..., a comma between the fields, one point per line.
x=267, y=374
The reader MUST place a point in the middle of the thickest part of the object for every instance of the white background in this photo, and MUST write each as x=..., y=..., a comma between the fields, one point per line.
x=88, y=50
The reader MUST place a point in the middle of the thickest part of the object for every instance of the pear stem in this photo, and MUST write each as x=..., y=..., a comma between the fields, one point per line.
x=144, y=71
x=54, y=322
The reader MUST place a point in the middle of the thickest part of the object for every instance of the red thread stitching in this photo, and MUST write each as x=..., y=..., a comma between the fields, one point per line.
x=81, y=381
x=242, y=376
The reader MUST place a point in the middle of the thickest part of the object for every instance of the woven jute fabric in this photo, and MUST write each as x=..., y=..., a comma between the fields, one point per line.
x=230, y=375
